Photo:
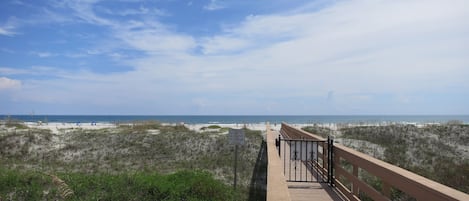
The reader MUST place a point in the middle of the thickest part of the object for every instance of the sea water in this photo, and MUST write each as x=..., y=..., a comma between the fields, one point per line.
x=249, y=119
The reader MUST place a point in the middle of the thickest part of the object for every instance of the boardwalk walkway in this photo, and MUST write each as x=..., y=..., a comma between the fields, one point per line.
x=332, y=163
x=311, y=191
x=297, y=191
x=300, y=191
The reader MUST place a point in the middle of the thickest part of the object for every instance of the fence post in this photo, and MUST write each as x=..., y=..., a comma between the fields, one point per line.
x=277, y=143
x=330, y=159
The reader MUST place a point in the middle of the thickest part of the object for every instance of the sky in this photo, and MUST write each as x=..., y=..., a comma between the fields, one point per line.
x=240, y=57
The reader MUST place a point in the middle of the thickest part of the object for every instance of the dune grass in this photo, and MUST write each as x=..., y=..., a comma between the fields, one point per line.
x=182, y=185
x=119, y=154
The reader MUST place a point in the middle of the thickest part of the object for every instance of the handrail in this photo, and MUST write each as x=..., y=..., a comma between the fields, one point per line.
x=277, y=188
x=414, y=185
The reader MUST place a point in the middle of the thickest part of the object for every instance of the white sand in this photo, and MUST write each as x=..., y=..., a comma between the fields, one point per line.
x=197, y=127
x=55, y=126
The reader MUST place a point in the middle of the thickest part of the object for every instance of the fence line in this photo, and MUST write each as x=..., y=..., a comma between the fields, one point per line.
x=390, y=176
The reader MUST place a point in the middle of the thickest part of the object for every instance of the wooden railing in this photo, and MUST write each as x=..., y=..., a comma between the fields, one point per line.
x=289, y=132
x=390, y=176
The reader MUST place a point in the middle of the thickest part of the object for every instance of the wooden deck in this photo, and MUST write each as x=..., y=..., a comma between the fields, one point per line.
x=299, y=191
x=279, y=189
x=392, y=177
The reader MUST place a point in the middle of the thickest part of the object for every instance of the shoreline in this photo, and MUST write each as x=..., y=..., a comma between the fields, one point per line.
x=244, y=119
x=56, y=126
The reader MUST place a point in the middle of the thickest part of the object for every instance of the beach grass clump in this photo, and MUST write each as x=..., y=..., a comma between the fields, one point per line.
x=14, y=123
x=140, y=126
x=438, y=152
x=182, y=185
x=127, y=150
x=214, y=127
x=29, y=185
x=317, y=130
x=211, y=127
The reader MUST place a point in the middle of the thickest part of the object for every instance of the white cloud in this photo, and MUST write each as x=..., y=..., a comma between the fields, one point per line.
x=142, y=10
x=36, y=71
x=7, y=29
x=11, y=71
x=157, y=41
x=223, y=44
x=8, y=84
x=17, y=2
x=147, y=35
x=360, y=49
x=214, y=5
x=43, y=54
x=84, y=11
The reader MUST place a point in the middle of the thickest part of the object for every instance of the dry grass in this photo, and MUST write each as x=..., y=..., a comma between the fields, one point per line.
x=138, y=147
x=63, y=189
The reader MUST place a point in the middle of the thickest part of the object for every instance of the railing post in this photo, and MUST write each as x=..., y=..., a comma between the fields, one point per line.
x=324, y=156
x=277, y=143
x=355, y=185
x=330, y=161
x=386, y=189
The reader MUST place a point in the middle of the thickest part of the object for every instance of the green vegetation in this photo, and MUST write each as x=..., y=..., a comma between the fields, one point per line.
x=129, y=150
x=182, y=185
x=437, y=152
x=215, y=129
x=13, y=123
x=317, y=130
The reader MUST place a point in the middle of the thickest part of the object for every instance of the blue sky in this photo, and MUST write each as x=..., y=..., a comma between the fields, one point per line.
x=168, y=57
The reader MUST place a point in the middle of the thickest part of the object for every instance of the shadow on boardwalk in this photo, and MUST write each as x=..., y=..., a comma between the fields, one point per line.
x=258, y=187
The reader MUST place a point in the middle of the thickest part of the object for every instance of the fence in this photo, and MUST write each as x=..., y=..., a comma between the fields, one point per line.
x=335, y=159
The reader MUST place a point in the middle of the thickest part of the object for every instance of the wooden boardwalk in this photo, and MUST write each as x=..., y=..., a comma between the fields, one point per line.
x=392, y=177
x=299, y=191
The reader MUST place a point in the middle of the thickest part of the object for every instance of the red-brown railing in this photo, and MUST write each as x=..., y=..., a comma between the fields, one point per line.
x=390, y=176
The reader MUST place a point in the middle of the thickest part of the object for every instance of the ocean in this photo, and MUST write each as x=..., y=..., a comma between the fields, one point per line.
x=249, y=119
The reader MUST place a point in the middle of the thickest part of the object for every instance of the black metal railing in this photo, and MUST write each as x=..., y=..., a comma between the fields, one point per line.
x=330, y=161
x=302, y=161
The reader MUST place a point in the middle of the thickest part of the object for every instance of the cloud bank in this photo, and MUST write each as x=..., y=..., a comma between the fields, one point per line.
x=349, y=57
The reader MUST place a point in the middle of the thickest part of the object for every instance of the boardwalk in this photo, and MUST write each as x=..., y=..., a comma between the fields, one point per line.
x=315, y=189
x=290, y=166
x=311, y=191
x=294, y=190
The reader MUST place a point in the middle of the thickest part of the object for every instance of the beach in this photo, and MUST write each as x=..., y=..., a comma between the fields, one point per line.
x=55, y=127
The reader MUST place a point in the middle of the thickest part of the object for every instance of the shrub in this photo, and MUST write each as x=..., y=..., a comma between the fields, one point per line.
x=182, y=185
x=214, y=127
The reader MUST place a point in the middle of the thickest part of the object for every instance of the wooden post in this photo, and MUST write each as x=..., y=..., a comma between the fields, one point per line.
x=386, y=189
x=235, y=167
x=354, y=185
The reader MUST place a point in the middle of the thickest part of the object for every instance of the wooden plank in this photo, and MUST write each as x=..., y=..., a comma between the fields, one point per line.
x=386, y=189
x=311, y=191
x=277, y=188
x=370, y=191
x=345, y=191
x=354, y=185
x=414, y=185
